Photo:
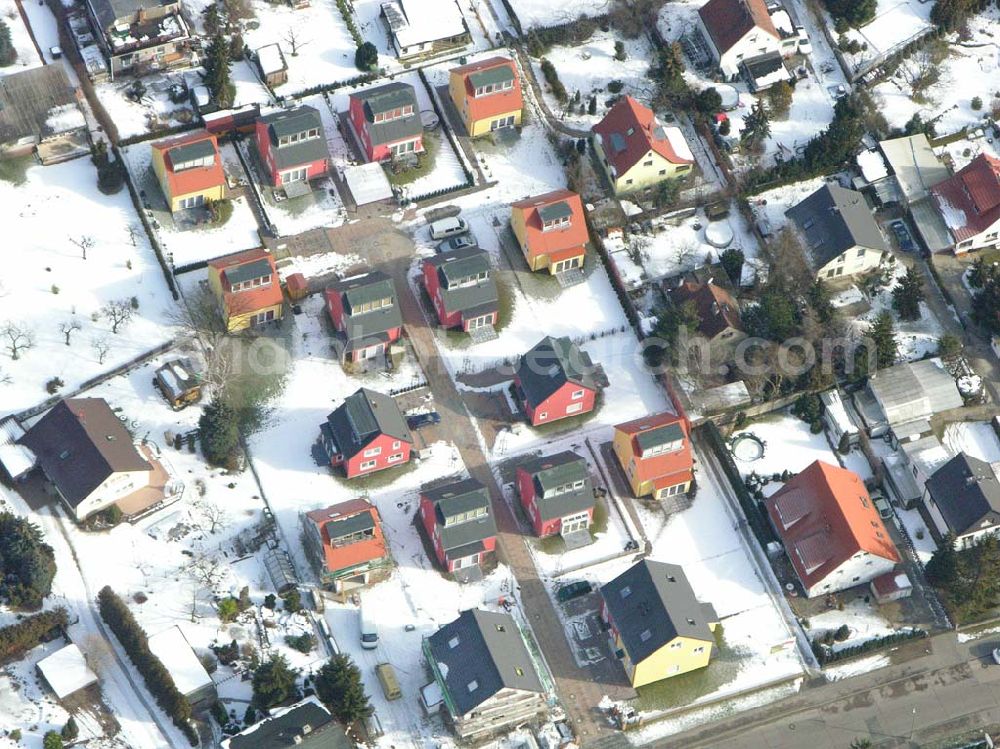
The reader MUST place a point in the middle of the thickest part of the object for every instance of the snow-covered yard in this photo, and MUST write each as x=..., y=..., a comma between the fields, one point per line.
x=896, y=22
x=56, y=289
x=540, y=14
x=914, y=338
x=788, y=445
x=974, y=438
x=916, y=529
x=153, y=111
x=862, y=619
x=20, y=37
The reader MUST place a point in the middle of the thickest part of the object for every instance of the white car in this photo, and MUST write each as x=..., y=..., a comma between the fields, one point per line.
x=448, y=227
x=996, y=656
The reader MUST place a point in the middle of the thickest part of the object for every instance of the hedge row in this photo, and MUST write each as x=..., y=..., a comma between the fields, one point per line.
x=349, y=20
x=21, y=637
x=158, y=680
x=325, y=88
x=439, y=193
x=826, y=655
x=160, y=133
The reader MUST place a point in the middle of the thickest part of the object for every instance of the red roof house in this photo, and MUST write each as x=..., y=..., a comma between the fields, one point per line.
x=655, y=454
x=487, y=95
x=247, y=288
x=969, y=202
x=738, y=30
x=555, y=380
x=551, y=230
x=636, y=149
x=831, y=530
x=346, y=545
x=718, y=312
x=189, y=170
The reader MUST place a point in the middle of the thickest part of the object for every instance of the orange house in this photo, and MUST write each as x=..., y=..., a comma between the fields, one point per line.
x=551, y=231
x=247, y=288
x=346, y=545
x=189, y=170
x=655, y=454
x=487, y=94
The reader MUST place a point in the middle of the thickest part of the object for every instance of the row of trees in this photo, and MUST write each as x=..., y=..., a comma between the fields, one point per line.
x=160, y=683
x=967, y=580
x=27, y=563
x=338, y=685
x=29, y=632
x=984, y=278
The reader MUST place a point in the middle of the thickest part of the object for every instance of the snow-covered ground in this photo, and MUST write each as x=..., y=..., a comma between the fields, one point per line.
x=788, y=445
x=152, y=112
x=54, y=285
x=863, y=619
x=916, y=529
x=541, y=14
x=588, y=69
x=895, y=23
x=197, y=244
x=20, y=37
x=974, y=438
x=914, y=338
x=856, y=667
x=769, y=207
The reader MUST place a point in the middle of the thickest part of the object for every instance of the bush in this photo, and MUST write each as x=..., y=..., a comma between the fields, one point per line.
x=160, y=683
x=219, y=211
x=53, y=385
x=8, y=52
x=270, y=601
x=70, y=731
x=366, y=57
x=620, y=53
x=615, y=86
x=303, y=643
x=228, y=609
x=110, y=173
x=15, y=735
x=227, y=654
x=552, y=78
x=52, y=740
x=977, y=103
x=250, y=716
x=27, y=564
x=219, y=713
x=708, y=101
x=842, y=633
x=292, y=600
x=20, y=637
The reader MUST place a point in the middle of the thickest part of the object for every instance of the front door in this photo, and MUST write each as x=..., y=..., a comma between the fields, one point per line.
x=572, y=523
x=563, y=265
x=479, y=322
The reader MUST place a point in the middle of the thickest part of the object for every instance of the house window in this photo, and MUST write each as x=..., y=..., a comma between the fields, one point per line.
x=700, y=649
x=367, y=464
x=645, y=635
x=394, y=458
x=663, y=172
x=262, y=317
x=395, y=445
x=573, y=408
x=577, y=395
x=294, y=175
x=648, y=163
x=854, y=580
x=861, y=252
x=628, y=182
x=675, y=645
x=543, y=415
x=371, y=453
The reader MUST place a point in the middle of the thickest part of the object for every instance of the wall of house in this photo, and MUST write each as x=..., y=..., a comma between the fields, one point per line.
x=485, y=126
x=553, y=526
x=518, y=224
x=988, y=238
x=387, y=447
x=856, y=260
x=641, y=176
x=860, y=569
x=556, y=405
x=506, y=708
x=357, y=117
x=464, y=322
x=166, y=55
x=753, y=44
x=243, y=320
x=680, y=656
x=427, y=520
x=621, y=443
x=117, y=486
x=973, y=537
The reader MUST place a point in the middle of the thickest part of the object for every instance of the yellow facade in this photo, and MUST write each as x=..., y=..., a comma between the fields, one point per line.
x=475, y=128
x=174, y=201
x=237, y=321
x=679, y=656
x=622, y=445
x=640, y=177
x=517, y=224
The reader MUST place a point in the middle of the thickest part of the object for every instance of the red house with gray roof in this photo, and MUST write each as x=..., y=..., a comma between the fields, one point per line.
x=459, y=523
x=969, y=203
x=386, y=120
x=557, y=493
x=461, y=287
x=555, y=380
x=366, y=433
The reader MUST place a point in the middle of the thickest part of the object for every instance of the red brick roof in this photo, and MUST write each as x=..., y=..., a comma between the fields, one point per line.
x=494, y=104
x=241, y=302
x=970, y=200
x=554, y=241
x=717, y=310
x=728, y=21
x=351, y=555
x=636, y=129
x=824, y=516
x=195, y=179
x=666, y=469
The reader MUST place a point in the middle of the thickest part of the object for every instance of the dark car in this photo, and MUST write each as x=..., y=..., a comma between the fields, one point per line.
x=903, y=236
x=419, y=421
x=573, y=590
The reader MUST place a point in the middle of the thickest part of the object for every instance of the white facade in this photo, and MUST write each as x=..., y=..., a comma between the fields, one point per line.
x=851, y=262
x=115, y=487
x=754, y=43
x=860, y=569
x=990, y=237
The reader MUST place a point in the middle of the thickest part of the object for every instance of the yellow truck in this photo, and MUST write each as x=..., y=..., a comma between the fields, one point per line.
x=387, y=679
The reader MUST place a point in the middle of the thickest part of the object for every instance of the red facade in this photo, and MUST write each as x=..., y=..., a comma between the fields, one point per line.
x=428, y=520
x=526, y=490
x=314, y=169
x=376, y=151
x=448, y=319
x=382, y=452
x=335, y=309
x=569, y=400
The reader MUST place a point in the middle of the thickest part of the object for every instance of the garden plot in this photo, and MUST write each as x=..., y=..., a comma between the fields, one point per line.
x=769, y=207
x=863, y=621
x=54, y=285
x=534, y=14
x=915, y=339
x=916, y=529
x=316, y=44
x=965, y=74
x=153, y=111
x=183, y=246
x=589, y=68
x=788, y=444
x=896, y=23
x=975, y=438
x=20, y=37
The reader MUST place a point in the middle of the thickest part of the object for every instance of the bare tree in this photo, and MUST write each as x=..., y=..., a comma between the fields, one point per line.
x=119, y=313
x=68, y=328
x=85, y=243
x=294, y=41
x=133, y=234
x=211, y=513
x=101, y=348
x=16, y=338
x=207, y=569
x=5, y=379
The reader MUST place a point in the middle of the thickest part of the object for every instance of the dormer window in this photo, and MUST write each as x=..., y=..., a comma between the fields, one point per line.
x=666, y=447
x=394, y=114
x=494, y=88
x=252, y=283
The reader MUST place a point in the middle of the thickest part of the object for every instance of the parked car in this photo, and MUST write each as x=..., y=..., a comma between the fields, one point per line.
x=368, y=630
x=388, y=681
x=573, y=590
x=903, y=236
x=456, y=243
x=883, y=507
x=448, y=227
x=419, y=421
x=996, y=656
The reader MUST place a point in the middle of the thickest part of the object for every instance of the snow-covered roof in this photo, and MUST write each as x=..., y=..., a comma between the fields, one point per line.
x=16, y=459
x=872, y=166
x=64, y=117
x=172, y=648
x=915, y=165
x=837, y=413
x=270, y=59
x=415, y=24
x=367, y=183
x=66, y=671
x=678, y=143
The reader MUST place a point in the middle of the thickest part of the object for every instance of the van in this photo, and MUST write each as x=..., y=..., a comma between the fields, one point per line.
x=369, y=632
x=387, y=679
x=448, y=227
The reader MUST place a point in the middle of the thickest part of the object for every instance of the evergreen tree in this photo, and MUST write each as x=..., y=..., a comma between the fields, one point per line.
x=366, y=57
x=210, y=20
x=775, y=317
x=948, y=346
x=672, y=89
x=592, y=105
x=883, y=336
x=986, y=301
x=708, y=101
x=779, y=97
x=942, y=569
x=8, y=53
x=339, y=687
x=908, y=295
x=819, y=299
x=219, y=430
x=273, y=682
x=52, y=740
x=70, y=731
x=217, y=75
x=27, y=563
x=756, y=127
x=732, y=262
